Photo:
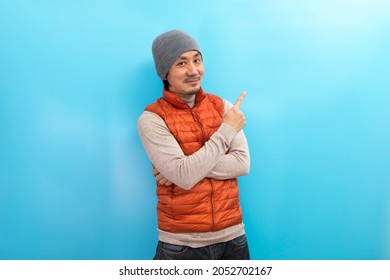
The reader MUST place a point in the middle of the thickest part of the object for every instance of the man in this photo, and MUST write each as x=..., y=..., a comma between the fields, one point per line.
x=198, y=149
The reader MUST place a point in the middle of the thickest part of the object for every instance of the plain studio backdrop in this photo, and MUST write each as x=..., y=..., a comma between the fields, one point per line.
x=75, y=182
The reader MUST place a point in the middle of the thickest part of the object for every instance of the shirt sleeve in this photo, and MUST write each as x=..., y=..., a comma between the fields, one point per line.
x=237, y=161
x=168, y=158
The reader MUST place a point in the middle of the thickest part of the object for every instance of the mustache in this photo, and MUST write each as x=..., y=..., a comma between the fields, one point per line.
x=192, y=79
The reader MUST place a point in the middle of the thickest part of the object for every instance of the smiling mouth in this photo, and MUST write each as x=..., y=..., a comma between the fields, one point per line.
x=192, y=80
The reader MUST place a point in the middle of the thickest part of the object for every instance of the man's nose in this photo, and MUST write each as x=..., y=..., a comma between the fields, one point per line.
x=192, y=70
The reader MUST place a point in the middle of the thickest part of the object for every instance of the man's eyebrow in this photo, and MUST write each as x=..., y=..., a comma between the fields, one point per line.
x=185, y=57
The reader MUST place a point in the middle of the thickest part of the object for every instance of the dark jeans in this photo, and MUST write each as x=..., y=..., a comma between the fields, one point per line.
x=236, y=249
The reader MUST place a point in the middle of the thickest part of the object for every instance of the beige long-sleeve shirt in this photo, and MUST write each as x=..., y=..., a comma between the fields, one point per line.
x=186, y=171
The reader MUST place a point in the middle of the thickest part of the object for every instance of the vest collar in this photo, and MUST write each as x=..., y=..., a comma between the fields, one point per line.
x=177, y=102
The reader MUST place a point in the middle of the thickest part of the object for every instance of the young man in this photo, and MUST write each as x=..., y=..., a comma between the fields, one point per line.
x=198, y=149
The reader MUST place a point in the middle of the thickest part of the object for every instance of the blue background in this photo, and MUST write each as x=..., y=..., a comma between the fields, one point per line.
x=75, y=182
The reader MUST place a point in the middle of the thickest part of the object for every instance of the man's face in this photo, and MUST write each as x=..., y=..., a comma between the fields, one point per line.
x=186, y=73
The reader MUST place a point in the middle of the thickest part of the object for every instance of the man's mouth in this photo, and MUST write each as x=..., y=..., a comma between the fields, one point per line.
x=192, y=80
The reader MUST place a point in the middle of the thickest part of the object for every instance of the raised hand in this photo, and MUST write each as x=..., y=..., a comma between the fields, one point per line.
x=234, y=117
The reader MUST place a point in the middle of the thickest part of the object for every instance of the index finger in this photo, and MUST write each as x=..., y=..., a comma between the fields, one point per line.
x=239, y=100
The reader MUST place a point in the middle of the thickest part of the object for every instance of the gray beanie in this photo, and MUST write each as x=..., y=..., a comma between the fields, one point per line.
x=168, y=46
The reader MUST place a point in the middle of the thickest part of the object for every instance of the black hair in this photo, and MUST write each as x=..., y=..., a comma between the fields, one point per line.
x=166, y=84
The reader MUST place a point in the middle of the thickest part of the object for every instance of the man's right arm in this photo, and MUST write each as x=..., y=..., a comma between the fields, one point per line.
x=168, y=158
x=237, y=161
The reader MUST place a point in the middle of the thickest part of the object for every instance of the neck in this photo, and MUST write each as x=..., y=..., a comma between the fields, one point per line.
x=187, y=98
x=183, y=100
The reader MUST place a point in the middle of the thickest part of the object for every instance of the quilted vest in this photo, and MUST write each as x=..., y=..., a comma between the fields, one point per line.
x=211, y=204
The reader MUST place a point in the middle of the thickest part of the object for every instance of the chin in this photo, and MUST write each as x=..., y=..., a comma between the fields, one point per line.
x=193, y=90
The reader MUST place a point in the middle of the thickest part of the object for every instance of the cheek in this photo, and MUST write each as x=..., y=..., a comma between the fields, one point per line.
x=201, y=71
x=175, y=75
x=172, y=80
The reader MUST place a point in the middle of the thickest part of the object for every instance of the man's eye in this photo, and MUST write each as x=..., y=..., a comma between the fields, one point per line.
x=181, y=63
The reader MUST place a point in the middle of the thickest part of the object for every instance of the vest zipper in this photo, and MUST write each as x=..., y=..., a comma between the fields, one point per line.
x=212, y=187
x=203, y=140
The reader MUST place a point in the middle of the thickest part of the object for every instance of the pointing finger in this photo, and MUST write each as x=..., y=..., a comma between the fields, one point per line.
x=239, y=100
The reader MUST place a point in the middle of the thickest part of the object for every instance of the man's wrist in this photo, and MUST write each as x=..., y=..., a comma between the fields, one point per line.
x=227, y=131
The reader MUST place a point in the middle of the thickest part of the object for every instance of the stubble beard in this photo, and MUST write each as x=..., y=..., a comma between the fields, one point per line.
x=194, y=90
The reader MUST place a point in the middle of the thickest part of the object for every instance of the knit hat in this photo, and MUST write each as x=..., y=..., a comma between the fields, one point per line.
x=168, y=46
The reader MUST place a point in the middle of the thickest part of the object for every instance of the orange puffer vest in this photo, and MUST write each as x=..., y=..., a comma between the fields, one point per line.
x=211, y=204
